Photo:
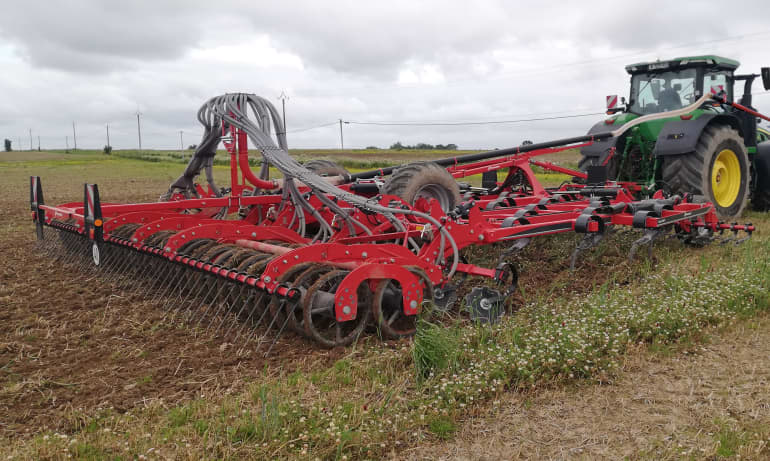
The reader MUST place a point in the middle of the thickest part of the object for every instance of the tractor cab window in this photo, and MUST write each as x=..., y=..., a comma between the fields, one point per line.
x=715, y=82
x=662, y=91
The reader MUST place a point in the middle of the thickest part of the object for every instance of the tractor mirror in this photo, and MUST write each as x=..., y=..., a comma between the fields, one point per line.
x=766, y=77
x=655, y=87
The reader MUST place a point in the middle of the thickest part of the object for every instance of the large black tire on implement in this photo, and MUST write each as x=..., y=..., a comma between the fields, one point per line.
x=424, y=180
x=718, y=170
x=760, y=199
x=323, y=167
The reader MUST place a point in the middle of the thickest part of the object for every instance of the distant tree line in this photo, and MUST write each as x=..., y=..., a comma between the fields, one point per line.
x=424, y=146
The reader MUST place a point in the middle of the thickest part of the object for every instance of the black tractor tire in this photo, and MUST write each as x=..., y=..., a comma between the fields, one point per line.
x=323, y=167
x=426, y=180
x=692, y=173
x=760, y=198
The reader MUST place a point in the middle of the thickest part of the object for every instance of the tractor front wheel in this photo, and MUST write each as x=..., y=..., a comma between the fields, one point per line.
x=718, y=170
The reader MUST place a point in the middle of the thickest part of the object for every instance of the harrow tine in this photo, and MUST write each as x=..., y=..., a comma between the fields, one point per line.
x=229, y=307
x=586, y=243
x=201, y=295
x=278, y=335
x=245, y=325
x=246, y=302
x=267, y=330
x=181, y=292
x=156, y=282
x=114, y=265
x=213, y=302
x=224, y=309
x=170, y=301
x=649, y=238
x=191, y=296
x=171, y=282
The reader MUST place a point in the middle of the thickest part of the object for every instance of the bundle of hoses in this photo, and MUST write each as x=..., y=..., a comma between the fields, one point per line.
x=253, y=115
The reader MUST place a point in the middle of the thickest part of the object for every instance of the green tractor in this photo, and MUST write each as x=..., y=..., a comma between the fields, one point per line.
x=687, y=142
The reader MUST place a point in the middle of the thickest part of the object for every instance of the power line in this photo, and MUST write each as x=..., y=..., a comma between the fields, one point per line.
x=537, y=70
x=486, y=122
x=313, y=127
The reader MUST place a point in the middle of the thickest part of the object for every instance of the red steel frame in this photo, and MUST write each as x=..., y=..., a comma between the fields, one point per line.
x=488, y=219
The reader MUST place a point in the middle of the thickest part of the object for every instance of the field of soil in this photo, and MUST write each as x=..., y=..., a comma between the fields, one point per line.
x=73, y=345
x=71, y=342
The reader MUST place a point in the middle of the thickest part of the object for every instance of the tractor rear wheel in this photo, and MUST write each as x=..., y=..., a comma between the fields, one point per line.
x=425, y=180
x=760, y=199
x=718, y=170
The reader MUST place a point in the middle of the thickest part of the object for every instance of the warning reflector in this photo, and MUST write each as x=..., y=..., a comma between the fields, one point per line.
x=612, y=101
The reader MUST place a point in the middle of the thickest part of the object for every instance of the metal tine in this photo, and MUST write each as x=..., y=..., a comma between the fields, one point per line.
x=267, y=331
x=278, y=335
x=190, y=278
x=191, y=295
x=124, y=270
x=201, y=291
x=224, y=305
x=113, y=262
x=213, y=301
x=246, y=302
x=231, y=308
x=163, y=273
x=145, y=265
x=83, y=262
x=171, y=281
x=259, y=320
x=72, y=256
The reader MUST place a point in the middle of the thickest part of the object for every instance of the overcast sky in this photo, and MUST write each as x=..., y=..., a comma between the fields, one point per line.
x=97, y=62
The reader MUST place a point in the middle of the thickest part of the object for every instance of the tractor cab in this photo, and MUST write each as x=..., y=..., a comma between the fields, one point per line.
x=663, y=86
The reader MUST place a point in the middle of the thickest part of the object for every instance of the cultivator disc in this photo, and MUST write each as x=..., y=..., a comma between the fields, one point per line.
x=330, y=256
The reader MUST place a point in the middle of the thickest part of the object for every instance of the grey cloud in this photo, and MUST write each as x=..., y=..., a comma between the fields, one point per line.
x=95, y=62
x=88, y=36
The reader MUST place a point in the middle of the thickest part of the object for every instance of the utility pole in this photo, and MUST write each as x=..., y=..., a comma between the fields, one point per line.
x=38, y=143
x=342, y=144
x=283, y=97
x=108, y=134
x=30, y=140
x=181, y=140
x=139, y=129
x=74, y=137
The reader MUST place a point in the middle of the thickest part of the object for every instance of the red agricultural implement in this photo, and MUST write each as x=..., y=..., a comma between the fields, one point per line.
x=330, y=254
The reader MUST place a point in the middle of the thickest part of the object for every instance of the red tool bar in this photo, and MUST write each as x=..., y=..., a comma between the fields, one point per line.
x=724, y=100
x=559, y=169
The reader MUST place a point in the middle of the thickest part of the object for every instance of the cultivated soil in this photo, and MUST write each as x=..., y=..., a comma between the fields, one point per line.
x=71, y=343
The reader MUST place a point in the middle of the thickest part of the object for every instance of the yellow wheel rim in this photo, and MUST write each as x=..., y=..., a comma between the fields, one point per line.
x=726, y=178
